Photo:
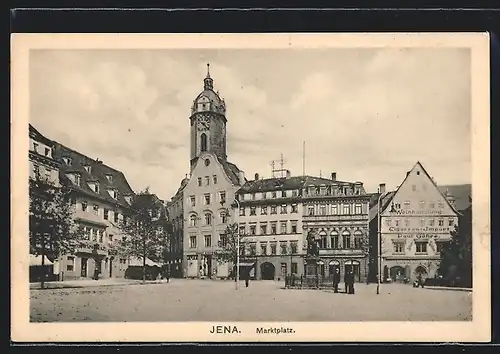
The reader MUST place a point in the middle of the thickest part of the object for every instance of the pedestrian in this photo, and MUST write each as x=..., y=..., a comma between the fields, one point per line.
x=420, y=281
x=349, y=280
x=336, y=280
x=247, y=278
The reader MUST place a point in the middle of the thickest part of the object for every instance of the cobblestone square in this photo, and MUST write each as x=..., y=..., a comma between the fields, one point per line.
x=218, y=301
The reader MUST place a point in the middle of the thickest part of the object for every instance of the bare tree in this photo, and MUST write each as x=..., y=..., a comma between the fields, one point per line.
x=228, y=245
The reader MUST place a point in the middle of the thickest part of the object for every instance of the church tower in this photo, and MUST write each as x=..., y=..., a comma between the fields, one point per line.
x=208, y=123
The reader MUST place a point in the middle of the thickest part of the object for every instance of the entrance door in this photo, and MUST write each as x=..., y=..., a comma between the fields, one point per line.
x=354, y=267
x=267, y=271
x=283, y=269
x=209, y=266
x=84, y=268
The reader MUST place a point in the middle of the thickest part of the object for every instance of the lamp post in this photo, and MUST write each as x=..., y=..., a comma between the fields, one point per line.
x=379, y=244
x=237, y=245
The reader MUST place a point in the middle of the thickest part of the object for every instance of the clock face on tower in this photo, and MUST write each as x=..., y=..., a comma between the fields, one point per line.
x=203, y=123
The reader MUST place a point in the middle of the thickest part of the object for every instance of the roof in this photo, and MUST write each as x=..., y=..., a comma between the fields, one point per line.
x=232, y=171
x=36, y=135
x=386, y=199
x=461, y=192
x=283, y=183
x=98, y=173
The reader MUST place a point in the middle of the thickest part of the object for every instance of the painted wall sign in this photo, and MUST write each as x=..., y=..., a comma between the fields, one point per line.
x=419, y=236
x=419, y=229
x=417, y=212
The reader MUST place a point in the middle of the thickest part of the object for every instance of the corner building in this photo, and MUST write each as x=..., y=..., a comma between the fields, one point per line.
x=416, y=221
x=209, y=191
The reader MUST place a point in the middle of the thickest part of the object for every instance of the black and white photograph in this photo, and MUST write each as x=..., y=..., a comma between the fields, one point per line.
x=255, y=187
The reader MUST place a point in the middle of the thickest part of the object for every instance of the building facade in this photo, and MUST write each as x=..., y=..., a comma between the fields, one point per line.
x=175, y=211
x=337, y=213
x=208, y=193
x=270, y=217
x=415, y=222
x=101, y=197
x=41, y=157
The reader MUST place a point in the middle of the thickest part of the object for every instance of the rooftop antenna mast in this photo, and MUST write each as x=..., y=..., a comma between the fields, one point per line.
x=278, y=172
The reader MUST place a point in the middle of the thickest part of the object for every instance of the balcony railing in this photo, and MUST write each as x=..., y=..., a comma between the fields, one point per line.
x=335, y=217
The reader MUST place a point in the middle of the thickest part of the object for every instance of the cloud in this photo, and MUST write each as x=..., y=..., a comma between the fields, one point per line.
x=368, y=115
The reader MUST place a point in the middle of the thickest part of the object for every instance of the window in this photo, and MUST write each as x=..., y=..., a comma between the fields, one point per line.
x=106, y=214
x=115, y=215
x=223, y=217
x=421, y=247
x=273, y=209
x=208, y=219
x=346, y=240
x=253, y=229
x=203, y=139
x=192, y=220
x=207, y=180
x=347, y=209
x=407, y=222
x=422, y=222
x=109, y=177
x=36, y=170
x=208, y=240
x=215, y=179
x=414, y=187
x=407, y=204
x=67, y=160
x=94, y=233
x=86, y=233
x=70, y=266
x=322, y=210
x=334, y=209
x=110, y=238
x=439, y=247
x=396, y=222
x=334, y=238
x=222, y=196
x=310, y=210
x=440, y=205
x=263, y=228
x=78, y=179
x=192, y=242
x=263, y=249
x=47, y=152
x=253, y=249
x=294, y=268
x=398, y=247
x=273, y=228
x=441, y=222
x=242, y=211
x=431, y=222
x=252, y=196
x=48, y=173
x=283, y=209
x=294, y=227
x=96, y=209
x=273, y=194
x=283, y=248
x=422, y=204
x=283, y=227
x=295, y=193
x=264, y=195
x=357, y=209
x=199, y=182
x=358, y=240
x=207, y=199
x=451, y=222
x=295, y=208
x=263, y=210
x=242, y=229
x=222, y=240
x=273, y=248
x=252, y=210
x=87, y=168
x=101, y=235
x=192, y=201
x=322, y=240
x=388, y=222
x=35, y=147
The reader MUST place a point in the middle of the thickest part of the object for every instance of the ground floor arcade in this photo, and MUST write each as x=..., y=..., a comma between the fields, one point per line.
x=408, y=269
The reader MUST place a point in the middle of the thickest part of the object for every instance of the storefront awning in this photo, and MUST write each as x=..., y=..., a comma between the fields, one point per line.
x=37, y=260
x=247, y=264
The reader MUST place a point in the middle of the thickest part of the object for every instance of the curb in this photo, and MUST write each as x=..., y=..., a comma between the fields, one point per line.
x=93, y=286
x=447, y=288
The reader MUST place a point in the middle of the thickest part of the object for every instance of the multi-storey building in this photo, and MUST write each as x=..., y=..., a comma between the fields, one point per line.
x=415, y=221
x=337, y=212
x=175, y=211
x=209, y=192
x=270, y=218
x=101, y=196
x=41, y=157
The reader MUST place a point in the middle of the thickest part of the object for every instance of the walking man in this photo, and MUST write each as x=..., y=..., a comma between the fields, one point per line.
x=349, y=280
x=336, y=280
x=247, y=279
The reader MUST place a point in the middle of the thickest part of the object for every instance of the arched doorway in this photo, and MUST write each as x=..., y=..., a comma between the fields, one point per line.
x=397, y=274
x=385, y=276
x=420, y=270
x=267, y=271
x=354, y=267
x=332, y=266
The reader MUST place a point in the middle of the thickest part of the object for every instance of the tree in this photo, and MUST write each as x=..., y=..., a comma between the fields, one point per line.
x=228, y=246
x=143, y=237
x=53, y=231
x=456, y=255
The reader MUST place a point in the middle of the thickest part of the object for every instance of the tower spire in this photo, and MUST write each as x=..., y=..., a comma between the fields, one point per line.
x=209, y=83
x=208, y=70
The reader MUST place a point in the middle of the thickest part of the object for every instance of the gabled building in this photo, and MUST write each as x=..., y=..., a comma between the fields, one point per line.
x=270, y=217
x=337, y=213
x=101, y=197
x=208, y=193
x=415, y=221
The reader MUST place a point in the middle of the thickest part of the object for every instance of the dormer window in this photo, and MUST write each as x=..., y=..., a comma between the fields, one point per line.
x=128, y=199
x=77, y=179
x=113, y=193
x=87, y=168
x=35, y=147
x=109, y=177
x=47, y=152
x=96, y=187
x=67, y=160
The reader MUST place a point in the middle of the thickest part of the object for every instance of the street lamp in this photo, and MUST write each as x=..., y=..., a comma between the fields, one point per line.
x=237, y=242
x=379, y=244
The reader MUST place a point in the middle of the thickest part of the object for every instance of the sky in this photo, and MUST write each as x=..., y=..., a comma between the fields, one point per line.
x=368, y=114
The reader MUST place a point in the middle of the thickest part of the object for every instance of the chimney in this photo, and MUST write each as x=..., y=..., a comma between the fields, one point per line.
x=256, y=177
x=381, y=188
x=288, y=174
x=241, y=177
x=334, y=176
x=407, y=173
